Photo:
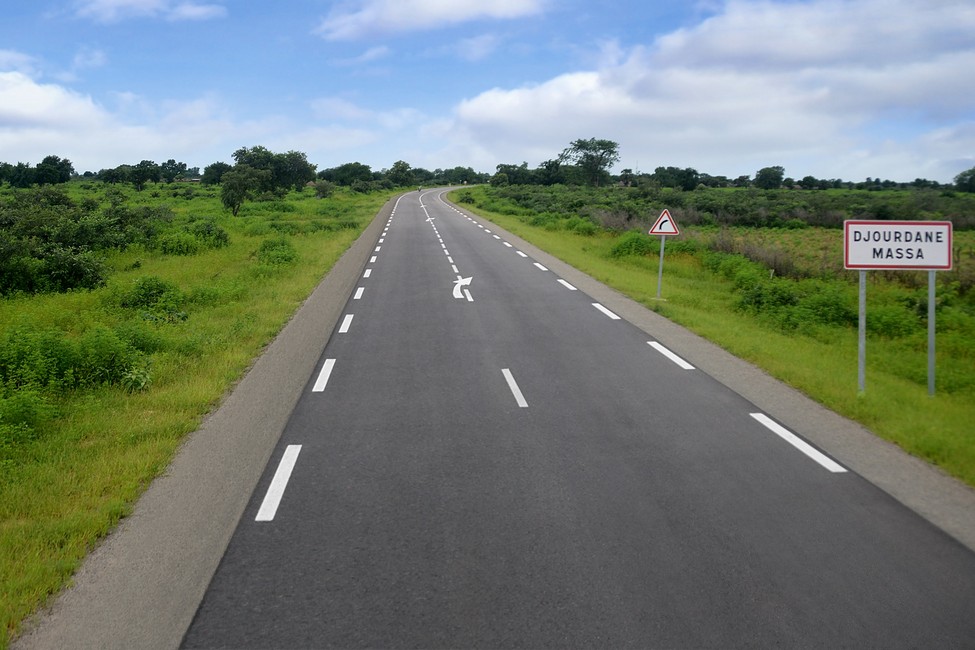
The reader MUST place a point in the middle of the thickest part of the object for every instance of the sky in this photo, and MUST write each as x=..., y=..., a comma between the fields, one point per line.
x=844, y=89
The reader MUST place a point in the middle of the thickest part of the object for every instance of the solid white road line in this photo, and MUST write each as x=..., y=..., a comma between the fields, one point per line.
x=269, y=507
x=540, y=266
x=346, y=323
x=670, y=355
x=513, y=385
x=799, y=443
x=605, y=311
x=323, y=376
x=566, y=285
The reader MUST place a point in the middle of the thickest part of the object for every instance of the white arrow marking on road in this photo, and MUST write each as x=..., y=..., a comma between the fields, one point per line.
x=459, y=283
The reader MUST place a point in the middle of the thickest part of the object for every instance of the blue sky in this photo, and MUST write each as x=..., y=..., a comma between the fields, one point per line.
x=830, y=88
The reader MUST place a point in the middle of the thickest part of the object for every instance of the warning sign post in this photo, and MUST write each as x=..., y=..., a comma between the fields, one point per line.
x=664, y=226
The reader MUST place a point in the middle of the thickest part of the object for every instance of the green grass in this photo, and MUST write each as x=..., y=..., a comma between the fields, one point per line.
x=821, y=361
x=99, y=448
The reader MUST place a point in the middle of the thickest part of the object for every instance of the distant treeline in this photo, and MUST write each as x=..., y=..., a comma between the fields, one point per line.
x=284, y=171
x=637, y=206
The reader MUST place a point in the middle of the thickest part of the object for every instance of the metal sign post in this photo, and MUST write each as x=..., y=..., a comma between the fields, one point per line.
x=904, y=245
x=664, y=226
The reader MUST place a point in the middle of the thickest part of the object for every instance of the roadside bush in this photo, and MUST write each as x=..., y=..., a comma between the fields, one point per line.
x=179, y=243
x=159, y=300
x=33, y=359
x=632, y=242
x=277, y=252
x=63, y=270
x=210, y=234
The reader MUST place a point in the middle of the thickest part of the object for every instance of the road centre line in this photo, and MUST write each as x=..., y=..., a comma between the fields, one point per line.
x=272, y=499
x=799, y=443
x=513, y=385
x=358, y=293
x=346, y=323
x=567, y=285
x=323, y=376
x=670, y=355
x=605, y=311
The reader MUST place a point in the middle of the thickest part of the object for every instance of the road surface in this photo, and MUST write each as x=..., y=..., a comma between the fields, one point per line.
x=486, y=456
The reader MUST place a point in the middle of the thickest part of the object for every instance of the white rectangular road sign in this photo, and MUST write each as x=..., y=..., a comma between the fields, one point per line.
x=918, y=245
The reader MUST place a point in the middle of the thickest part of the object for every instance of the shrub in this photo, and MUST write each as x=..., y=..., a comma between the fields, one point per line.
x=33, y=359
x=64, y=269
x=277, y=252
x=159, y=300
x=633, y=242
x=179, y=243
x=150, y=291
x=210, y=234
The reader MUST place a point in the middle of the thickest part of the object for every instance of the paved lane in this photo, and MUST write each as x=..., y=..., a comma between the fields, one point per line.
x=503, y=462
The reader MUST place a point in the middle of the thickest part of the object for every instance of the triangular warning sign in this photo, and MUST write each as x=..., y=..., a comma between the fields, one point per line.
x=665, y=225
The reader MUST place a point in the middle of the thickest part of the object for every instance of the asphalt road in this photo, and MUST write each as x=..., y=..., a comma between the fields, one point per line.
x=487, y=456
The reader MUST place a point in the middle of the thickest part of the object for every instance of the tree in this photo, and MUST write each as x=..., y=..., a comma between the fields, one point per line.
x=400, y=174
x=965, y=181
x=53, y=170
x=171, y=170
x=291, y=170
x=144, y=172
x=213, y=172
x=347, y=173
x=769, y=178
x=594, y=157
x=240, y=184
x=516, y=174
x=686, y=179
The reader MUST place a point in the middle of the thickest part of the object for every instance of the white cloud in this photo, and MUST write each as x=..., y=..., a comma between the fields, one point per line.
x=368, y=18
x=87, y=58
x=478, y=48
x=831, y=88
x=11, y=60
x=39, y=119
x=111, y=11
x=369, y=56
